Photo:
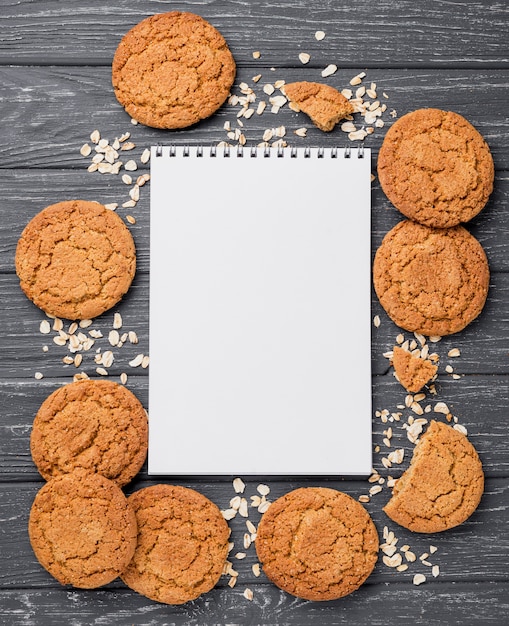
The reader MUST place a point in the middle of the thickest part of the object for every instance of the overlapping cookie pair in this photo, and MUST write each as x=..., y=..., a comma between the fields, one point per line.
x=169, y=543
x=430, y=274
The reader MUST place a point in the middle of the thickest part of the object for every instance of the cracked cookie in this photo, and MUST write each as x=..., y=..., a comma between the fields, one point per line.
x=172, y=70
x=324, y=104
x=413, y=372
x=443, y=485
x=97, y=425
x=182, y=544
x=429, y=280
x=82, y=530
x=317, y=543
x=75, y=259
x=436, y=168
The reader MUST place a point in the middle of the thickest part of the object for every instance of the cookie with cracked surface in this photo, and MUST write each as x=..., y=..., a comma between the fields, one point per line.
x=317, y=543
x=172, y=70
x=97, y=425
x=82, y=529
x=413, y=372
x=75, y=259
x=182, y=544
x=443, y=485
x=433, y=281
x=436, y=168
x=324, y=104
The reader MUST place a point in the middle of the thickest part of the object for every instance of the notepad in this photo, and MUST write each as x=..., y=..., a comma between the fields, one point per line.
x=260, y=324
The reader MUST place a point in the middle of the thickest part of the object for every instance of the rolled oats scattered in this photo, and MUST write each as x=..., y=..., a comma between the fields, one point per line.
x=131, y=166
x=229, y=514
x=136, y=361
x=304, y=57
x=460, y=429
x=329, y=70
x=248, y=593
x=441, y=407
x=239, y=485
x=319, y=35
x=419, y=579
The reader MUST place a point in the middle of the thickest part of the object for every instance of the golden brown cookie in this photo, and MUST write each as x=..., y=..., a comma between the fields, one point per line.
x=82, y=530
x=436, y=168
x=75, y=259
x=317, y=543
x=182, y=544
x=443, y=485
x=172, y=70
x=96, y=425
x=413, y=372
x=324, y=104
x=429, y=280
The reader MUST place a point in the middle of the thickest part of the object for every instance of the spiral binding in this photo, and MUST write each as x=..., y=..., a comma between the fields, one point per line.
x=279, y=152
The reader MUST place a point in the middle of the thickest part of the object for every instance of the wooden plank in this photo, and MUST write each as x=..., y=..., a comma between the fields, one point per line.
x=479, y=403
x=25, y=192
x=400, y=604
x=385, y=33
x=483, y=344
x=458, y=560
x=36, y=134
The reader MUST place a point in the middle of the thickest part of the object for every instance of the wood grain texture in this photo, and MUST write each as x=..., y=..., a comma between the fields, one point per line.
x=401, y=33
x=55, y=89
x=38, y=135
x=27, y=191
x=433, y=604
x=486, y=529
x=22, y=343
x=478, y=402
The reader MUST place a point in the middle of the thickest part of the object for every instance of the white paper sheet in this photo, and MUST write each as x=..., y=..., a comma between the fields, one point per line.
x=260, y=320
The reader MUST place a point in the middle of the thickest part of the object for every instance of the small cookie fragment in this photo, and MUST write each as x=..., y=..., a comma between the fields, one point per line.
x=82, y=530
x=182, y=544
x=443, y=485
x=412, y=371
x=317, y=543
x=97, y=425
x=324, y=104
x=75, y=259
x=433, y=281
x=172, y=70
x=436, y=168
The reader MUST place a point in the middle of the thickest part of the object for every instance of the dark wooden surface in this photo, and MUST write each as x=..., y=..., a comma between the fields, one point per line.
x=55, y=90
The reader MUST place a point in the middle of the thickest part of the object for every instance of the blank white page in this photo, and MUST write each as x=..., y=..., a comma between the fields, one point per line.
x=260, y=325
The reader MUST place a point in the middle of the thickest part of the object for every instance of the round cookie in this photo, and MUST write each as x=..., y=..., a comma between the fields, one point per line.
x=97, y=425
x=317, y=543
x=75, y=259
x=436, y=168
x=443, y=485
x=429, y=280
x=82, y=530
x=172, y=70
x=182, y=544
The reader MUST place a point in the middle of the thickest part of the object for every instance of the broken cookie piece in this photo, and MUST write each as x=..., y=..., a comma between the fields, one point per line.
x=443, y=485
x=413, y=372
x=324, y=104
